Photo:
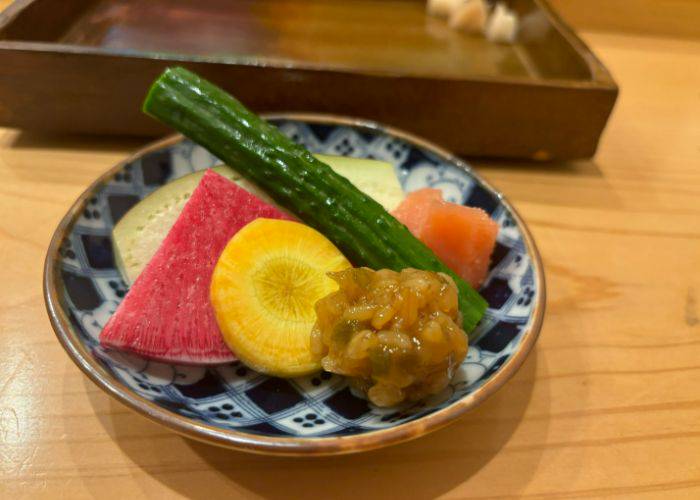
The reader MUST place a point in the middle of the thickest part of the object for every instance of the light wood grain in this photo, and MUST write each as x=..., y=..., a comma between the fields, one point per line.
x=676, y=18
x=607, y=405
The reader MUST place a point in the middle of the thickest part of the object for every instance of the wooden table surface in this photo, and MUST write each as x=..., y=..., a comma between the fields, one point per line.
x=608, y=404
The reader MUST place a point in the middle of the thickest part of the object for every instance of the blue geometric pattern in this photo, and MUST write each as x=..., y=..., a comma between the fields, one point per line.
x=235, y=397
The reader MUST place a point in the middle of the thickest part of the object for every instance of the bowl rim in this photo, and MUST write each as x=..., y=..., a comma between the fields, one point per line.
x=289, y=446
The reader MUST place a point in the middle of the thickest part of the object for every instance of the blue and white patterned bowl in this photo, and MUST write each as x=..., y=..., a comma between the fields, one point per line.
x=230, y=405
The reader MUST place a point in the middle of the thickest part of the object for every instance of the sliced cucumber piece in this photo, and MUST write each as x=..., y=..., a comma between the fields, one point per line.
x=373, y=177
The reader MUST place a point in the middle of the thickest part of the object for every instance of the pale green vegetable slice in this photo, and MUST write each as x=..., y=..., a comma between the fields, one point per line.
x=139, y=233
x=375, y=178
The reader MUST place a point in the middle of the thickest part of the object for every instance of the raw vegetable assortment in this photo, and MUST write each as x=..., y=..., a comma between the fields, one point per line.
x=361, y=228
x=232, y=272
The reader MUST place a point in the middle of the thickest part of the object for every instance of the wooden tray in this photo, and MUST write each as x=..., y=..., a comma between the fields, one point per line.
x=84, y=66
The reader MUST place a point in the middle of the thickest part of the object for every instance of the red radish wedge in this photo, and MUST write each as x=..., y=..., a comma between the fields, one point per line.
x=462, y=237
x=167, y=314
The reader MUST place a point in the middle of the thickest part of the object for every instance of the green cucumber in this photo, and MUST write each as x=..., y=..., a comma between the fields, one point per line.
x=361, y=228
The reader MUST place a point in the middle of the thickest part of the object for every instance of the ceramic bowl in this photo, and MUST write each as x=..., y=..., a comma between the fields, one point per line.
x=231, y=405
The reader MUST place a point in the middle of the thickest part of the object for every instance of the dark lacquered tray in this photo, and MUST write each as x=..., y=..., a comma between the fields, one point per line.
x=84, y=65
